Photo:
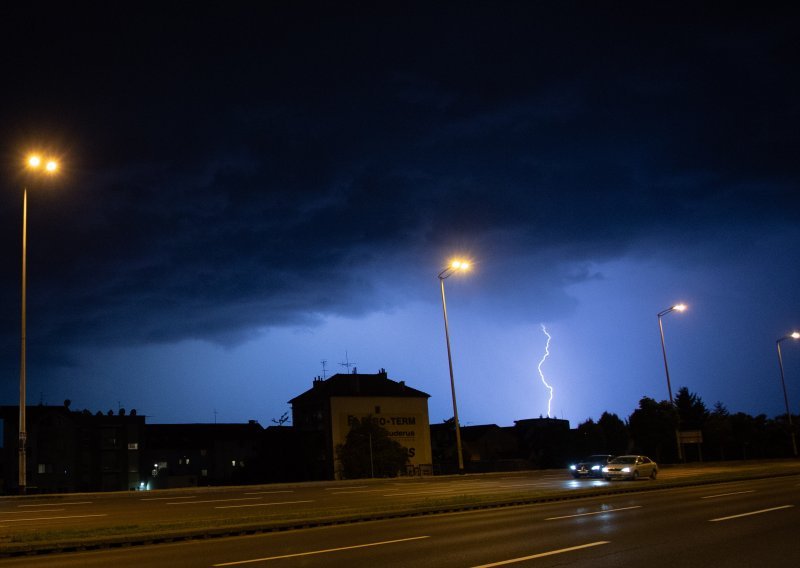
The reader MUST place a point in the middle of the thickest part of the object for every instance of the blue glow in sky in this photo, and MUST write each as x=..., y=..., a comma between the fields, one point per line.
x=245, y=194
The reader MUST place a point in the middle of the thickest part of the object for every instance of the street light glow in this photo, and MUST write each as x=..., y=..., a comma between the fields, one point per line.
x=460, y=265
x=680, y=307
x=35, y=162
x=795, y=335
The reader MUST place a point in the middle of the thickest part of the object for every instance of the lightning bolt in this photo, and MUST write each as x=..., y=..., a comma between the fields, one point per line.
x=546, y=355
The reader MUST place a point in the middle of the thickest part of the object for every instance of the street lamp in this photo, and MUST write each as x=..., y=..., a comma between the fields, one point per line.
x=793, y=335
x=455, y=266
x=39, y=166
x=679, y=308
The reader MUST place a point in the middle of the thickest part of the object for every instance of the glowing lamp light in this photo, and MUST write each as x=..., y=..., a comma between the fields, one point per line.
x=680, y=307
x=35, y=162
x=795, y=335
x=460, y=265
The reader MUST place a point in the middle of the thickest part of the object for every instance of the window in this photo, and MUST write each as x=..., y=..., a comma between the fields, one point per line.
x=133, y=445
x=44, y=468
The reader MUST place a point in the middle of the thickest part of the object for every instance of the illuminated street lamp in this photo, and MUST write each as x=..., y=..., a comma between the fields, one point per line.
x=455, y=266
x=679, y=308
x=38, y=166
x=793, y=335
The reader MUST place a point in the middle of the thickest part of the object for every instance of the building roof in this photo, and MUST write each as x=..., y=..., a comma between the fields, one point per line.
x=358, y=385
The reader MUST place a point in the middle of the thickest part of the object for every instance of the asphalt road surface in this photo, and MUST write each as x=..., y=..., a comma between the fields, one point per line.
x=225, y=506
x=748, y=523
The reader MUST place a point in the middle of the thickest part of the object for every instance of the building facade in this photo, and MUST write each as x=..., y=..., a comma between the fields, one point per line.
x=333, y=406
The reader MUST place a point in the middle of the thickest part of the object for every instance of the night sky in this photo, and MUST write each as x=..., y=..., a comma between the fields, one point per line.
x=248, y=189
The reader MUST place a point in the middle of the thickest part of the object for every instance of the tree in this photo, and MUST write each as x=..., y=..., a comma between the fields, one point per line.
x=369, y=452
x=717, y=431
x=616, y=433
x=653, y=426
x=691, y=410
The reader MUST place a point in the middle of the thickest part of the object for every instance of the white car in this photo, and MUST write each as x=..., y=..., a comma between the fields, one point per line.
x=630, y=467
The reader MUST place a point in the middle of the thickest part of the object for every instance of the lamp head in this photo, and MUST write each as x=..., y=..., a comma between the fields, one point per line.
x=680, y=307
x=795, y=335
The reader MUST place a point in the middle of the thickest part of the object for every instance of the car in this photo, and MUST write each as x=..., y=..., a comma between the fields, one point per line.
x=592, y=466
x=630, y=467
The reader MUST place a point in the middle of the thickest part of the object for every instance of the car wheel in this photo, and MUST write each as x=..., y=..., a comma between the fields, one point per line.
x=635, y=475
x=653, y=474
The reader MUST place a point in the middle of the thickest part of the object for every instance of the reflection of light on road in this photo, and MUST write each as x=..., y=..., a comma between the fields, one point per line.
x=546, y=355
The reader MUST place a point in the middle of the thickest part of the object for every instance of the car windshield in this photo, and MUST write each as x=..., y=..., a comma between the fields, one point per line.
x=626, y=459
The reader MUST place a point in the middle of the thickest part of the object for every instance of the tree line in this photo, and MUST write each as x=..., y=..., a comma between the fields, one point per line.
x=651, y=430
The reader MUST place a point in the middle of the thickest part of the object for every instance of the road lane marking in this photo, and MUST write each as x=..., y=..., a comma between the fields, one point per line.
x=53, y=518
x=57, y=504
x=352, y=487
x=167, y=498
x=325, y=551
x=594, y=513
x=361, y=491
x=261, y=504
x=269, y=492
x=215, y=501
x=434, y=492
x=751, y=513
x=29, y=512
x=728, y=494
x=543, y=554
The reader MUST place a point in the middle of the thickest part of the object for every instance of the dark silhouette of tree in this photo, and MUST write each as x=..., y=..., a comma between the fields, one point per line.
x=615, y=432
x=282, y=420
x=718, y=432
x=653, y=427
x=590, y=439
x=368, y=451
x=691, y=410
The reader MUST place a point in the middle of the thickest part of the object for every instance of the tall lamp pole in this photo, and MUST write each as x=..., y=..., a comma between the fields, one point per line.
x=679, y=308
x=37, y=164
x=455, y=266
x=793, y=335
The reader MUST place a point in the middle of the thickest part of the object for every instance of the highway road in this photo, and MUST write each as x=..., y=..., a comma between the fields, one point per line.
x=111, y=513
x=748, y=523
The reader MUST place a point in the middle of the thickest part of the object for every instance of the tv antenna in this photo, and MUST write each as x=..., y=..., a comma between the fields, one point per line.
x=324, y=369
x=347, y=364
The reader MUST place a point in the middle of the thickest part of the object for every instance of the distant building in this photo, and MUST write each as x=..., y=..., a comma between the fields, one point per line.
x=486, y=447
x=71, y=450
x=330, y=406
x=187, y=455
x=544, y=442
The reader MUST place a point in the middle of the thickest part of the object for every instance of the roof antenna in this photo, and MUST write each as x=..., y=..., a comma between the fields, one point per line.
x=324, y=369
x=347, y=364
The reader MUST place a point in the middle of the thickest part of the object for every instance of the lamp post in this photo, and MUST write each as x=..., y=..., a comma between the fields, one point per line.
x=455, y=266
x=793, y=335
x=35, y=164
x=679, y=308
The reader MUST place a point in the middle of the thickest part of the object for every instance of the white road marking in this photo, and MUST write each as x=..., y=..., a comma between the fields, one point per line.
x=727, y=494
x=167, y=498
x=269, y=492
x=215, y=501
x=53, y=518
x=433, y=492
x=29, y=512
x=325, y=551
x=56, y=504
x=543, y=554
x=594, y=513
x=751, y=513
x=339, y=488
x=260, y=504
x=361, y=491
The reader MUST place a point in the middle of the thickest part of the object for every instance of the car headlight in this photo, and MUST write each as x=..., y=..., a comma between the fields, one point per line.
x=605, y=469
x=573, y=468
x=626, y=469
x=595, y=467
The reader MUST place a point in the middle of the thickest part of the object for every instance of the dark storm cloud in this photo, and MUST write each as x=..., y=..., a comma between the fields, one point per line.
x=233, y=170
